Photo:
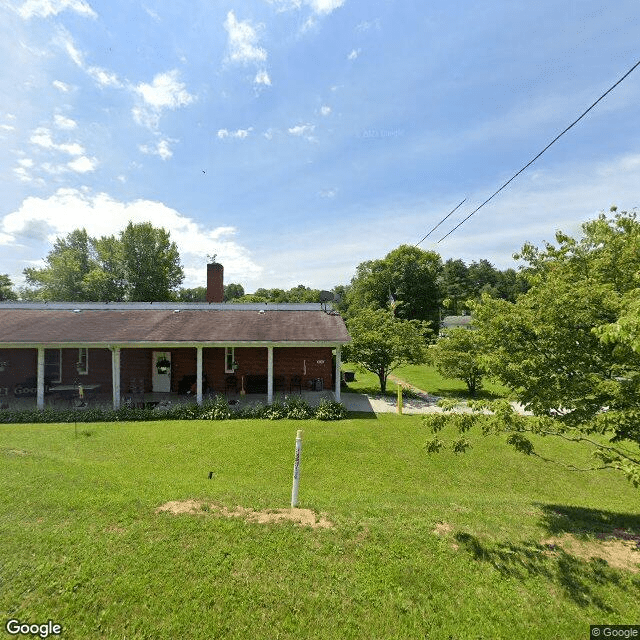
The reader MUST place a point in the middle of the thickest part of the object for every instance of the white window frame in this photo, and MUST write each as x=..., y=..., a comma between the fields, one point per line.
x=84, y=360
x=47, y=368
x=229, y=352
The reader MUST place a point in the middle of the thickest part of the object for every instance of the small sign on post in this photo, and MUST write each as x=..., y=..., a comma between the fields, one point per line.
x=296, y=469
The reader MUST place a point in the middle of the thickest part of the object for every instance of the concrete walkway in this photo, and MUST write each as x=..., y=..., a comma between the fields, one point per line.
x=421, y=404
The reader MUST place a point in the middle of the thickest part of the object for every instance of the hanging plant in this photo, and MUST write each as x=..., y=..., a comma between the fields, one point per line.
x=3, y=365
x=163, y=366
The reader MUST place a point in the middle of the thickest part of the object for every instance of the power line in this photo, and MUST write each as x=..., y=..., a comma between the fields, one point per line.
x=439, y=223
x=534, y=159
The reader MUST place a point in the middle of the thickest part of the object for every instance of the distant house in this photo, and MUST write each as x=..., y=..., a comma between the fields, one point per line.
x=169, y=347
x=454, y=322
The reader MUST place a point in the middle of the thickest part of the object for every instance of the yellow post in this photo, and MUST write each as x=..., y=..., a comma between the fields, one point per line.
x=399, y=398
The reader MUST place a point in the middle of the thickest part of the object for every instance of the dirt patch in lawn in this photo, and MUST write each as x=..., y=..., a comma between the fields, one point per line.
x=301, y=517
x=618, y=553
x=442, y=529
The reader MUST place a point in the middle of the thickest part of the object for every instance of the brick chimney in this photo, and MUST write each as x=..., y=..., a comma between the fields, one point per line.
x=215, y=282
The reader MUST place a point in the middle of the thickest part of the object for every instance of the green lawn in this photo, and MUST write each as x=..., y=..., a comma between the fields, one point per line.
x=424, y=377
x=439, y=547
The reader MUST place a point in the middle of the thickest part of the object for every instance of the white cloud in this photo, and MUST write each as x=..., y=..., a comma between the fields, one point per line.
x=328, y=193
x=22, y=174
x=69, y=209
x=366, y=25
x=262, y=77
x=26, y=162
x=239, y=133
x=83, y=164
x=64, y=123
x=42, y=138
x=61, y=86
x=300, y=130
x=7, y=127
x=325, y=110
x=243, y=41
x=285, y=5
x=46, y=8
x=162, y=149
x=320, y=7
x=70, y=48
x=354, y=54
x=166, y=91
x=102, y=77
x=324, y=7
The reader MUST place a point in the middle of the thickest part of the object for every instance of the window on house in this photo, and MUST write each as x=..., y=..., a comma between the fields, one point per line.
x=229, y=359
x=52, y=365
x=83, y=361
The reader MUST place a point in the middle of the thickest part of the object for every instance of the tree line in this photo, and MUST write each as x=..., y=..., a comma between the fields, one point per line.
x=142, y=264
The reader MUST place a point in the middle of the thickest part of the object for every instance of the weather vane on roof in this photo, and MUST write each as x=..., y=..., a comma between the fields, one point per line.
x=212, y=258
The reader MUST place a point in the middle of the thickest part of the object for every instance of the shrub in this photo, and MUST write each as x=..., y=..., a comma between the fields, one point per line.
x=275, y=411
x=297, y=408
x=217, y=409
x=330, y=410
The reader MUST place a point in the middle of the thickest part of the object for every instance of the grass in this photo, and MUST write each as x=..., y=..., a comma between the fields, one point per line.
x=424, y=377
x=84, y=546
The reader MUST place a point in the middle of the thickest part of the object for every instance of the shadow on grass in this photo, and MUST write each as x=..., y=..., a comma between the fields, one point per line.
x=583, y=522
x=361, y=415
x=580, y=580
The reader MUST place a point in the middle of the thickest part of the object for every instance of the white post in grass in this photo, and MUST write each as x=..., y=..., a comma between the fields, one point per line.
x=296, y=470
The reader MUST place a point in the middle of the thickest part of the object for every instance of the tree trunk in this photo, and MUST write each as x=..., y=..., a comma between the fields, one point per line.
x=383, y=381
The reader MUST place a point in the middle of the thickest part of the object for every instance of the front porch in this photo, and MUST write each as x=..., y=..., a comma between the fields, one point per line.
x=155, y=400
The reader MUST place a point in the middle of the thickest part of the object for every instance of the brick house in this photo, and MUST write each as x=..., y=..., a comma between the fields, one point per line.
x=165, y=347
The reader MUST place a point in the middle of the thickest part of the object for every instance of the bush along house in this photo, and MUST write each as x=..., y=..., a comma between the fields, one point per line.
x=53, y=349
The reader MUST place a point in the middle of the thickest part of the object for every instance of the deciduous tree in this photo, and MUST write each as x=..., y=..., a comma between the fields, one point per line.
x=568, y=347
x=457, y=354
x=406, y=278
x=6, y=290
x=381, y=342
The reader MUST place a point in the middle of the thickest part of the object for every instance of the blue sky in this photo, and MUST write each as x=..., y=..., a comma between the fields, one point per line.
x=297, y=138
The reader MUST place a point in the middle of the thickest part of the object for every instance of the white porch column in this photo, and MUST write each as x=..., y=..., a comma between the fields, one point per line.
x=40, y=384
x=115, y=376
x=199, y=375
x=269, y=375
x=338, y=367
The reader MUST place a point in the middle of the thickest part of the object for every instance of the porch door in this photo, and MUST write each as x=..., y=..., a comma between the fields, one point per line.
x=160, y=382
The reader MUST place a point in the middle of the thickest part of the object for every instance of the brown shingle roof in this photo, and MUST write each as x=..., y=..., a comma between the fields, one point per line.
x=119, y=326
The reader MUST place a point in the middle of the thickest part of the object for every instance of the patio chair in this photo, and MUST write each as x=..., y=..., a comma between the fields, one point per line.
x=295, y=382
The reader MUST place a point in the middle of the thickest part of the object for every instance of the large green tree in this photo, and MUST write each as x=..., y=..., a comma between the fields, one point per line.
x=150, y=263
x=141, y=264
x=568, y=347
x=6, y=288
x=380, y=342
x=405, y=280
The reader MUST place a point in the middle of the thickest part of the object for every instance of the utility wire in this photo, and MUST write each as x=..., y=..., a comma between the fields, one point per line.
x=439, y=223
x=532, y=161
